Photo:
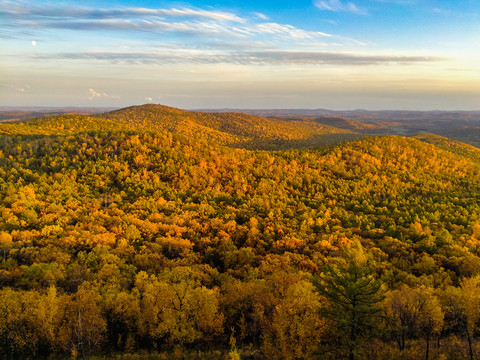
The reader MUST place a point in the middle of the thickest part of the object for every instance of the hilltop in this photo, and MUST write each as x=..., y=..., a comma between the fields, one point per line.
x=235, y=129
x=454, y=146
x=232, y=129
x=254, y=129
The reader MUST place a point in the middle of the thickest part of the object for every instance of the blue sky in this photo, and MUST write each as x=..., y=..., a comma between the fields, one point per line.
x=336, y=54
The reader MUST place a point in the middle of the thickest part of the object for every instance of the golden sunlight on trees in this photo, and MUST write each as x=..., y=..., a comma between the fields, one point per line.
x=129, y=240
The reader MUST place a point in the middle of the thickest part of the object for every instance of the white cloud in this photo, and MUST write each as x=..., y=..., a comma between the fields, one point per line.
x=338, y=6
x=215, y=15
x=205, y=36
x=261, y=16
x=23, y=10
x=196, y=23
x=399, y=2
x=92, y=95
x=243, y=57
x=21, y=89
x=149, y=98
x=286, y=31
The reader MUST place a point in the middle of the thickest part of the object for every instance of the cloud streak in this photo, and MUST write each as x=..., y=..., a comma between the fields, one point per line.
x=65, y=13
x=338, y=6
x=206, y=37
x=173, y=21
x=267, y=57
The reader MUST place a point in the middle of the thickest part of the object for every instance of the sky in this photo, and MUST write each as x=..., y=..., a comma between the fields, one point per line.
x=332, y=54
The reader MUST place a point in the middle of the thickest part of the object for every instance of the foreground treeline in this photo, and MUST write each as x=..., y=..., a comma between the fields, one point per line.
x=119, y=242
x=281, y=314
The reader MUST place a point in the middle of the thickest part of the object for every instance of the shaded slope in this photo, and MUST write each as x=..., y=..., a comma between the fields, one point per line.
x=349, y=124
x=466, y=134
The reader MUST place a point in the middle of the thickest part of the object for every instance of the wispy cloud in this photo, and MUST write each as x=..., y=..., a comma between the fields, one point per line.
x=206, y=37
x=21, y=89
x=265, y=57
x=286, y=31
x=21, y=11
x=338, y=6
x=443, y=12
x=173, y=21
x=399, y=2
x=92, y=95
x=261, y=16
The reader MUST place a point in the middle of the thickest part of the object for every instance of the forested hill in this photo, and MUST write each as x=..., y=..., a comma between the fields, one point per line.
x=118, y=235
x=237, y=129
x=454, y=146
x=233, y=129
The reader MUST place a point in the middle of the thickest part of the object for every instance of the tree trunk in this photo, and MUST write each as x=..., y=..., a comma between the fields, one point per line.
x=353, y=333
x=470, y=350
x=428, y=347
x=351, y=355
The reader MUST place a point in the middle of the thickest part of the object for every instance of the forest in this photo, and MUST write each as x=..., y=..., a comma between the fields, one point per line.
x=156, y=233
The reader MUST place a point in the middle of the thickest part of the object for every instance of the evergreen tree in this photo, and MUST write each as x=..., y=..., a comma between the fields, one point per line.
x=353, y=292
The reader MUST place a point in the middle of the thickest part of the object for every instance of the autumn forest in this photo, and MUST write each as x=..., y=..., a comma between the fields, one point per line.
x=153, y=232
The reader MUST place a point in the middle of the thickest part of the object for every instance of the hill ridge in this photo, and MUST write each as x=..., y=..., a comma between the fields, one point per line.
x=231, y=129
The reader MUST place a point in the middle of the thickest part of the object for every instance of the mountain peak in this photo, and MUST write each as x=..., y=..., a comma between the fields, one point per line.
x=149, y=108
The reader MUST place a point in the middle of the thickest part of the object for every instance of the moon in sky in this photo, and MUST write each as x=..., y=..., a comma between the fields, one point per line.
x=34, y=42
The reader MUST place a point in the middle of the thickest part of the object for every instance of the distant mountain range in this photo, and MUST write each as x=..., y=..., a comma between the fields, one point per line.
x=15, y=113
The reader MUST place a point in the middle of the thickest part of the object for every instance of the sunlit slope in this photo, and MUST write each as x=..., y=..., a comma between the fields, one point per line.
x=379, y=181
x=164, y=118
x=453, y=146
x=231, y=129
x=234, y=129
x=115, y=212
x=62, y=125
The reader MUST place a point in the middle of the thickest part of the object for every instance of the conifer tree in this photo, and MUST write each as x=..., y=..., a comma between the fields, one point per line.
x=353, y=292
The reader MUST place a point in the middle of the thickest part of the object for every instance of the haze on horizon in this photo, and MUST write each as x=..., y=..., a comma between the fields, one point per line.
x=336, y=54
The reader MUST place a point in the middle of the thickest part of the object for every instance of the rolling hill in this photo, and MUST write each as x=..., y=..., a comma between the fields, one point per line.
x=354, y=125
x=453, y=146
x=231, y=129
x=234, y=129
x=466, y=134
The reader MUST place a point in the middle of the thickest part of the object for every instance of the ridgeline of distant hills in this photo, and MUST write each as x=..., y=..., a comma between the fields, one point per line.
x=16, y=113
x=457, y=125
x=274, y=128
x=456, y=132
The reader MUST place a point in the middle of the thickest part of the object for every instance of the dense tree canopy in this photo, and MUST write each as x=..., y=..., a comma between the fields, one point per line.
x=120, y=239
